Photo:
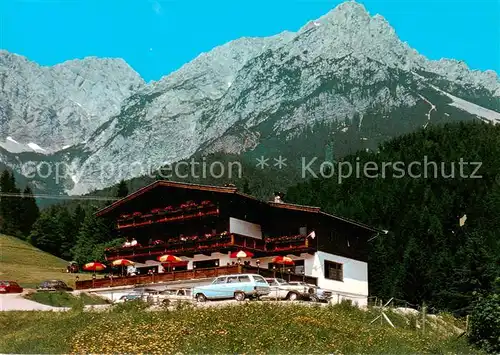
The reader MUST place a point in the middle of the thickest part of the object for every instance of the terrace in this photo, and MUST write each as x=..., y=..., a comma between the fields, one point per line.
x=186, y=275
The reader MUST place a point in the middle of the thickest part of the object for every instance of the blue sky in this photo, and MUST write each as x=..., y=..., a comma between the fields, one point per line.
x=157, y=37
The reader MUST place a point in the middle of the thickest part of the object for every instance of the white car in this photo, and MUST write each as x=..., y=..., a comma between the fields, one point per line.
x=315, y=293
x=174, y=295
x=283, y=290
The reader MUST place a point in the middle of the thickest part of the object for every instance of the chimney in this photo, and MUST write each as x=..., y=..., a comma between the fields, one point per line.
x=278, y=197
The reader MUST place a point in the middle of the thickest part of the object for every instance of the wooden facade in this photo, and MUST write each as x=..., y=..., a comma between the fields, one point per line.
x=192, y=221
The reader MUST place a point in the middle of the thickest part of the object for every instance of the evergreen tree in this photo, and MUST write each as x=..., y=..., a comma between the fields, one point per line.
x=47, y=233
x=93, y=233
x=69, y=232
x=10, y=206
x=4, y=202
x=122, y=189
x=29, y=211
x=78, y=217
x=246, y=187
x=426, y=256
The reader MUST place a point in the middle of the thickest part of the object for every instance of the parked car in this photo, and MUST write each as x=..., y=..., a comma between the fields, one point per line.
x=320, y=295
x=239, y=287
x=53, y=285
x=174, y=295
x=10, y=287
x=130, y=297
x=281, y=289
x=314, y=293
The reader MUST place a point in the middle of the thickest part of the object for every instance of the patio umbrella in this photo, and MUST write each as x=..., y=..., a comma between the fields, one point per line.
x=169, y=259
x=283, y=260
x=94, y=266
x=241, y=254
x=122, y=263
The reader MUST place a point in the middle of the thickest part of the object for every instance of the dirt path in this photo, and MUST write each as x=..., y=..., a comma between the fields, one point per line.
x=16, y=302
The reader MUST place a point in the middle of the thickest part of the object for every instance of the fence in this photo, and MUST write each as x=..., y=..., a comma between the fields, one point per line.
x=187, y=275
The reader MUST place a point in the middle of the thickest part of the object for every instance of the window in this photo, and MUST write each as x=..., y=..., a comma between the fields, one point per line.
x=244, y=279
x=299, y=267
x=259, y=279
x=220, y=280
x=334, y=271
x=232, y=279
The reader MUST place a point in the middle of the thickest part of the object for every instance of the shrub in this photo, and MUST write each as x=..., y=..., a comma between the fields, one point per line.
x=485, y=324
x=130, y=306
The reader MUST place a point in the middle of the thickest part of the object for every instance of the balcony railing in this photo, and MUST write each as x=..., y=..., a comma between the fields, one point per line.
x=163, y=277
x=287, y=243
x=186, y=275
x=168, y=214
x=191, y=245
x=178, y=247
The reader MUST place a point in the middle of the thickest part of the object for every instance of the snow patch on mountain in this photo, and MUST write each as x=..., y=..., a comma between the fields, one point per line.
x=472, y=108
x=343, y=66
x=36, y=148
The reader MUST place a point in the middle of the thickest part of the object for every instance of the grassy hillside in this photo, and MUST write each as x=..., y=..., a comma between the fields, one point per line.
x=21, y=262
x=251, y=328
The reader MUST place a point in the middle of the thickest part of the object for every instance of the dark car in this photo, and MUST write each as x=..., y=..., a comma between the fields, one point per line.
x=10, y=287
x=54, y=285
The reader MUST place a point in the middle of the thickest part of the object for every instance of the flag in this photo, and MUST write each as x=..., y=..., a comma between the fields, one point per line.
x=462, y=220
x=312, y=235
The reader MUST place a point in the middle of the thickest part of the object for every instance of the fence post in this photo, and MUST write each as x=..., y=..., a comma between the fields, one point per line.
x=424, y=313
x=381, y=311
x=467, y=325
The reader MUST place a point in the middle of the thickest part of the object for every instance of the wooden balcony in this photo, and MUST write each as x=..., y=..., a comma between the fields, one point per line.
x=291, y=244
x=178, y=247
x=181, y=214
x=216, y=243
x=186, y=275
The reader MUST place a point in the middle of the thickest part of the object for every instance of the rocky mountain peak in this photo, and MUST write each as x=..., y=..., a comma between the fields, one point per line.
x=60, y=105
x=347, y=72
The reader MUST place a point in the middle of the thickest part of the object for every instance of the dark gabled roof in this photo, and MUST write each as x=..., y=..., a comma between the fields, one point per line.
x=166, y=183
x=234, y=191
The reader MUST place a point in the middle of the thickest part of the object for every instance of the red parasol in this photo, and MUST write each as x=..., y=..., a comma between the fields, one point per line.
x=169, y=259
x=122, y=262
x=241, y=254
x=284, y=260
x=94, y=266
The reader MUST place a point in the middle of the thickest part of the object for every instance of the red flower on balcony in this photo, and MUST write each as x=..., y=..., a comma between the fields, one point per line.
x=206, y=203
x=169, y=208
x=156, y=210
x=137, y=214
x=124, y=216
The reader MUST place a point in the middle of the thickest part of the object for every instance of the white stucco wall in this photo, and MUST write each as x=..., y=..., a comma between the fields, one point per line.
x=355, y=283
x=354, y=286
